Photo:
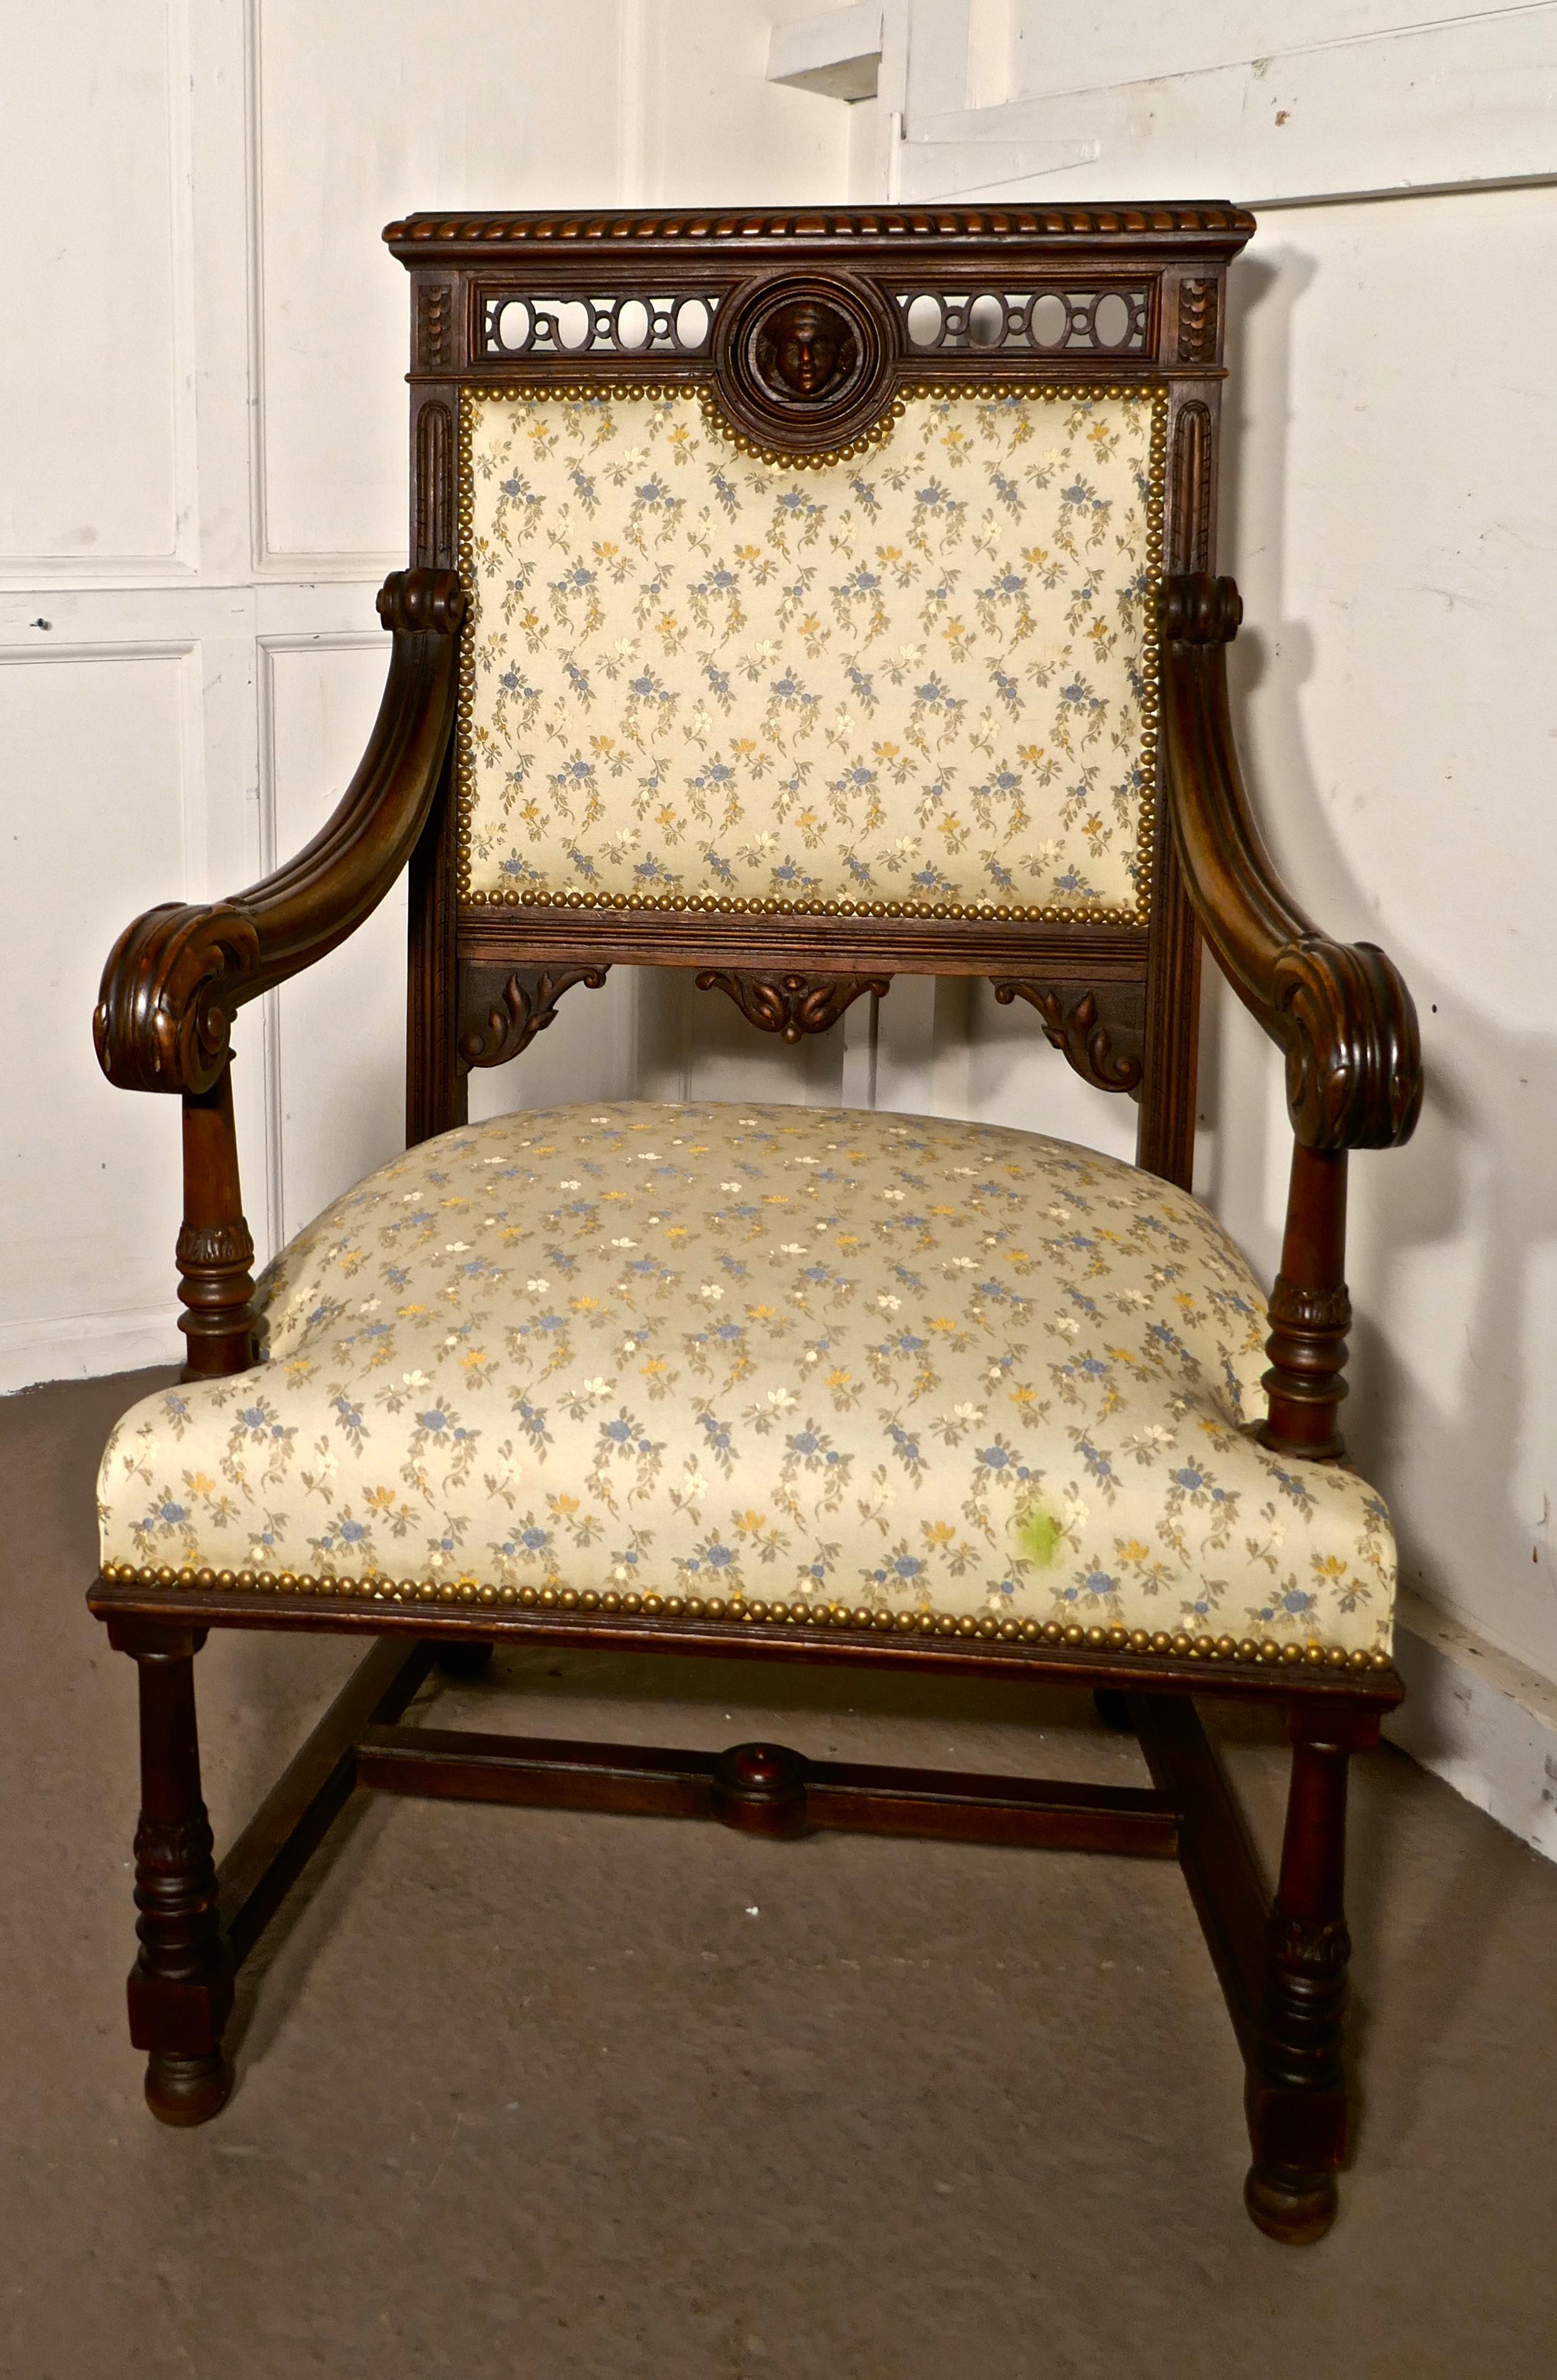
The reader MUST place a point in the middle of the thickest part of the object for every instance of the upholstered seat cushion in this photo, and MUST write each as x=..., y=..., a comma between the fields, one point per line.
x=807, y=1356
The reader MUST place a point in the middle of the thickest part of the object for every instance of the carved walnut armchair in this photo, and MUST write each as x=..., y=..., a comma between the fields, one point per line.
x=801, y=600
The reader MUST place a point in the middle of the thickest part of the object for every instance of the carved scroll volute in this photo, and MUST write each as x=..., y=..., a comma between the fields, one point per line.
x=1195, y=609
x=421, y=603
x=499, y=1018
x=790, y=1005
x=175, y=976
x=1354, y=1066
x=1101, y=1029
x=160, y=1024
x=1340, y=1011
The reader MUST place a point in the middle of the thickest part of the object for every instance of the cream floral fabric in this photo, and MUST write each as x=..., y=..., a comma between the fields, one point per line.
x=917, y=676
x=886, y=1362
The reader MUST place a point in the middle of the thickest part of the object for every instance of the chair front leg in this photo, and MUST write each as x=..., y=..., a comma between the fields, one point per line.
x=181, y=1986
x=1295, y=2092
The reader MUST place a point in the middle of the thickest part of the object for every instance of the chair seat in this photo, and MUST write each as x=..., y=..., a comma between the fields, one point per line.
x=815, y=1358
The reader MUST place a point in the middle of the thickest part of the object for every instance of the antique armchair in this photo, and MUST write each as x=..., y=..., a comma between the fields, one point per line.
x=801, y=600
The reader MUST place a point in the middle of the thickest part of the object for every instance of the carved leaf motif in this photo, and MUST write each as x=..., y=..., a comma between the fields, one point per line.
x=214, y=1248
x=1311, y=1310
x=792, y=1005
x=524, y=1006
x=178, y=1848
x=1101, y=1031
x=1302, y=1947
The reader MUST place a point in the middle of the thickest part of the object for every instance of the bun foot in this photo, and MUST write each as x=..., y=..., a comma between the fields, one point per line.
x=186, y=2090
x=1296, y=2208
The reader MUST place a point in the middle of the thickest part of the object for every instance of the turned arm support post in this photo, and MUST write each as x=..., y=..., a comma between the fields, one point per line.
x=177, y=977
x=215, y=1252
x=1340, y=1011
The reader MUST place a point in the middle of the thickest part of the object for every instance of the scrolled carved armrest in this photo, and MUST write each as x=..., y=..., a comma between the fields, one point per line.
x=1340, y=1011
x=168, y=994
x=177, y=975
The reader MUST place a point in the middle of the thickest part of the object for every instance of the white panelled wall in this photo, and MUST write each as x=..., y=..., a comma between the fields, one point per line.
x=1390, y=511
x=202, y=480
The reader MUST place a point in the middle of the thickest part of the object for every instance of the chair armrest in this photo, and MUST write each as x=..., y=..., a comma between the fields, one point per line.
x=175, y=977
x=1340, y=1010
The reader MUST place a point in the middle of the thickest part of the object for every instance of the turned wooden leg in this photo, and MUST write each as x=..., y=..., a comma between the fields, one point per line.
x=181, y=1985
x=1296, y=2095
x=1310, y=1312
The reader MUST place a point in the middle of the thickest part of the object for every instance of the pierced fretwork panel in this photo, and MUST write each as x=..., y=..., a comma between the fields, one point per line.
x=680, y=323
x=1109, y=322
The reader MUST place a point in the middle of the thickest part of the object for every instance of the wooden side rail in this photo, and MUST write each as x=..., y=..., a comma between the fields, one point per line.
x=1340, y=1011
x=767, y=1788
x=177, y=975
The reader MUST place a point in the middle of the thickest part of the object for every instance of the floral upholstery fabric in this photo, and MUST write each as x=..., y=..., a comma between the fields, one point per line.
x=893, y=1364
x=917, y=676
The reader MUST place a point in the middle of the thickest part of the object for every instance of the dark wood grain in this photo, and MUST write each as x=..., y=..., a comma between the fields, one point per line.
x=1296, y=2097
x=177, y=975
x=215, y=1252
x=1320, y=1682
x=790, y=1004
x=1183, y=227
x=766, y=1789
x=825, y=945
x=437, y=1086
x=180, y=1988
x=1340, y=1011
x=502, y=1009
x=1100, y=1027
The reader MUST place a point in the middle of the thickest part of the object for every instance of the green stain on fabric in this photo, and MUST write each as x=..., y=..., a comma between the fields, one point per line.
x=1038, y=1534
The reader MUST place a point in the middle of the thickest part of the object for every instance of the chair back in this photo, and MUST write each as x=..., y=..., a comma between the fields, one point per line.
x=813, y=565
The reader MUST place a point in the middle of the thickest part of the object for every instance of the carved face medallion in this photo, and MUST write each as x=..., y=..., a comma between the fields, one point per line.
x=803, y=365
x=806, y=349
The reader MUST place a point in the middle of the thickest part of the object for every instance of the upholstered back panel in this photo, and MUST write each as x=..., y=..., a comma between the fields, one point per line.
x=917, y=680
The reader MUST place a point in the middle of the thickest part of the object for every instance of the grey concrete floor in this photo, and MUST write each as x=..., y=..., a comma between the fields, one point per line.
x=561, y=2098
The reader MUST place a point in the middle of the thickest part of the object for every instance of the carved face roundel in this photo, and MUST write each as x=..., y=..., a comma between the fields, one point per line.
x=805, y=349
x=805, y=363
